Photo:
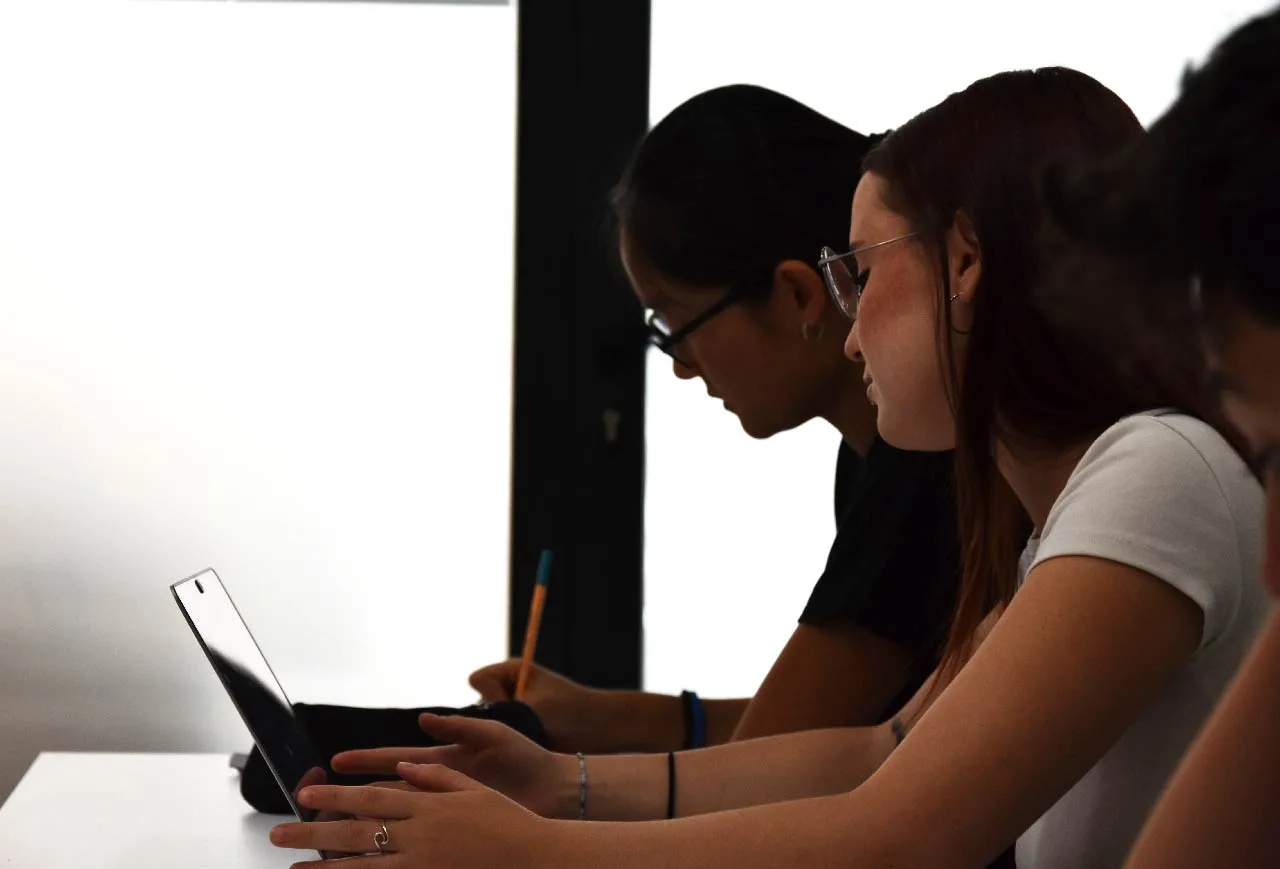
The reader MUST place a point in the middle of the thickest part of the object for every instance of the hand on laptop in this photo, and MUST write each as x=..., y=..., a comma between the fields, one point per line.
x=445, y=820
x=573, y=714
x=489, y=752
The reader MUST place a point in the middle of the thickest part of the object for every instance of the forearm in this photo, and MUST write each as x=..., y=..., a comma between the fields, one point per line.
x=769, y=770
x=815, y=833
x=640, y=721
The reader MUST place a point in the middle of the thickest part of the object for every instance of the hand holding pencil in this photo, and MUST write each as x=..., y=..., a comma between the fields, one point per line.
x=574, y=715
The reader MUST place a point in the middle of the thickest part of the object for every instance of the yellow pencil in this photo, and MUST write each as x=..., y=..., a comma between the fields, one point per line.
x=535, y=622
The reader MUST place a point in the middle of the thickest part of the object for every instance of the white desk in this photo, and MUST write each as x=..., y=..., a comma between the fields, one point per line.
x=135, y=811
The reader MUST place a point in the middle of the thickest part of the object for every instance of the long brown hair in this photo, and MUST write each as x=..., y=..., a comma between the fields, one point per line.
x=1026, y=385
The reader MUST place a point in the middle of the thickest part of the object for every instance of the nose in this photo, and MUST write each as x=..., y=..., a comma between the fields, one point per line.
x=852, y=347
x=683, y=370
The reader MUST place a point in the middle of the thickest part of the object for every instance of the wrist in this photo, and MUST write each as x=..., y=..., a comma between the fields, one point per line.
x=567, y=792
x=626, y=787
x=637, y=721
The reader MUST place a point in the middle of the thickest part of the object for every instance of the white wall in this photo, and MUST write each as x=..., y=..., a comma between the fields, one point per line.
x=255, y=313
x=742, y=569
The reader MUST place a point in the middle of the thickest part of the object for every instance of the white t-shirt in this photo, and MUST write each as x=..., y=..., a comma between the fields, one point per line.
x=1165, y=493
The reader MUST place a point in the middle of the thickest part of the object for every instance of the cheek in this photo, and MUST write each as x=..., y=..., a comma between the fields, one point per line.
x=1257, y=421
x=867, y=337
x=893, y=331
x=1237, y=414
x=731, y=356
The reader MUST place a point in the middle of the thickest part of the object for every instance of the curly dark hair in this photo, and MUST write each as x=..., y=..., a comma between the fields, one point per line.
x=1196, y=197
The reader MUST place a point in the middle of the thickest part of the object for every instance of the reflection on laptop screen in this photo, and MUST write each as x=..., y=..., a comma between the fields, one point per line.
x=234, y=654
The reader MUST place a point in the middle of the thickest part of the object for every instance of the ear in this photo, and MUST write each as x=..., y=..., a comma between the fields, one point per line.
x=799, y=291
x=964, y=258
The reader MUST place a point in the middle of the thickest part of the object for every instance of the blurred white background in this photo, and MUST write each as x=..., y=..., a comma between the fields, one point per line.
x=255, y=314
x=741, y=568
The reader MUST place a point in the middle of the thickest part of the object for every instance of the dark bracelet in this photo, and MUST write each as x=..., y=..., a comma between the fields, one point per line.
x=671, y=785
x=695, y=721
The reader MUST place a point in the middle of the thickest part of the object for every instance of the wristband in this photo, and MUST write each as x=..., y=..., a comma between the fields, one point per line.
x=695, y=721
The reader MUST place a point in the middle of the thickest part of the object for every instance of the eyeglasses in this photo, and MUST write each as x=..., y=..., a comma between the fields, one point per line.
x=662, y=336
x=843, y=285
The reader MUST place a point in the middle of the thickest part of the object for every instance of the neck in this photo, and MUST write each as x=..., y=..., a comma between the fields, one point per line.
x=851, y=413
x=1038, y=481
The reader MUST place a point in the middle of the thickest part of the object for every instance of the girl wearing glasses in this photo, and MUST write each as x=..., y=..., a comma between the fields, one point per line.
x=1054, y=725
x=717, y=218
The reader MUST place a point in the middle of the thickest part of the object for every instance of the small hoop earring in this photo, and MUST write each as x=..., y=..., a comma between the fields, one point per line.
x=953, y=298
x=809, y=332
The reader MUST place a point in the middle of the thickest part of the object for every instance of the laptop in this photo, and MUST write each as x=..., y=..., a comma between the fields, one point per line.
x=290, y=754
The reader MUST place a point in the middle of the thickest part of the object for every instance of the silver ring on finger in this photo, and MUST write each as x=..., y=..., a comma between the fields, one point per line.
x=382, y=839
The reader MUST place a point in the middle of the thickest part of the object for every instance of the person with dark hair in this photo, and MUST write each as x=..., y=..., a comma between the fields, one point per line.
x=1192, y=201
x=1076, y=672
x=1176, y=234
x=717, y=218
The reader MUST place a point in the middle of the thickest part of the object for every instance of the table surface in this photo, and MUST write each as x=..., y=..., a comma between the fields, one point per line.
x=135, y=811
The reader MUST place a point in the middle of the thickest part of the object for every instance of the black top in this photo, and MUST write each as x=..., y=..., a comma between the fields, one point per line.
x=894, y=566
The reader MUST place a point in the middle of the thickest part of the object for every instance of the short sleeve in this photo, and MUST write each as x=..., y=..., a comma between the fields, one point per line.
x=894, y=565
x=1166, y=495
x=849, y=467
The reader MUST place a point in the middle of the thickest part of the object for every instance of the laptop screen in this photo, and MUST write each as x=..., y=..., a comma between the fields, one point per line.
x=262, y=703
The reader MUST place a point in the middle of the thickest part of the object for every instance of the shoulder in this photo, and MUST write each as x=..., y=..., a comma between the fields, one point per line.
x=1167, y=494
x=1164, y=440
x=888, y=463
x=892, y=566
x=897, y=495
x=1155, y=467
x=887, y=475
x=848, y=468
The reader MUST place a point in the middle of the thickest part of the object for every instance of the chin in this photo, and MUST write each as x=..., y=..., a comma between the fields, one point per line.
x=908, y=433
x=757, y=431
x=760, y=429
